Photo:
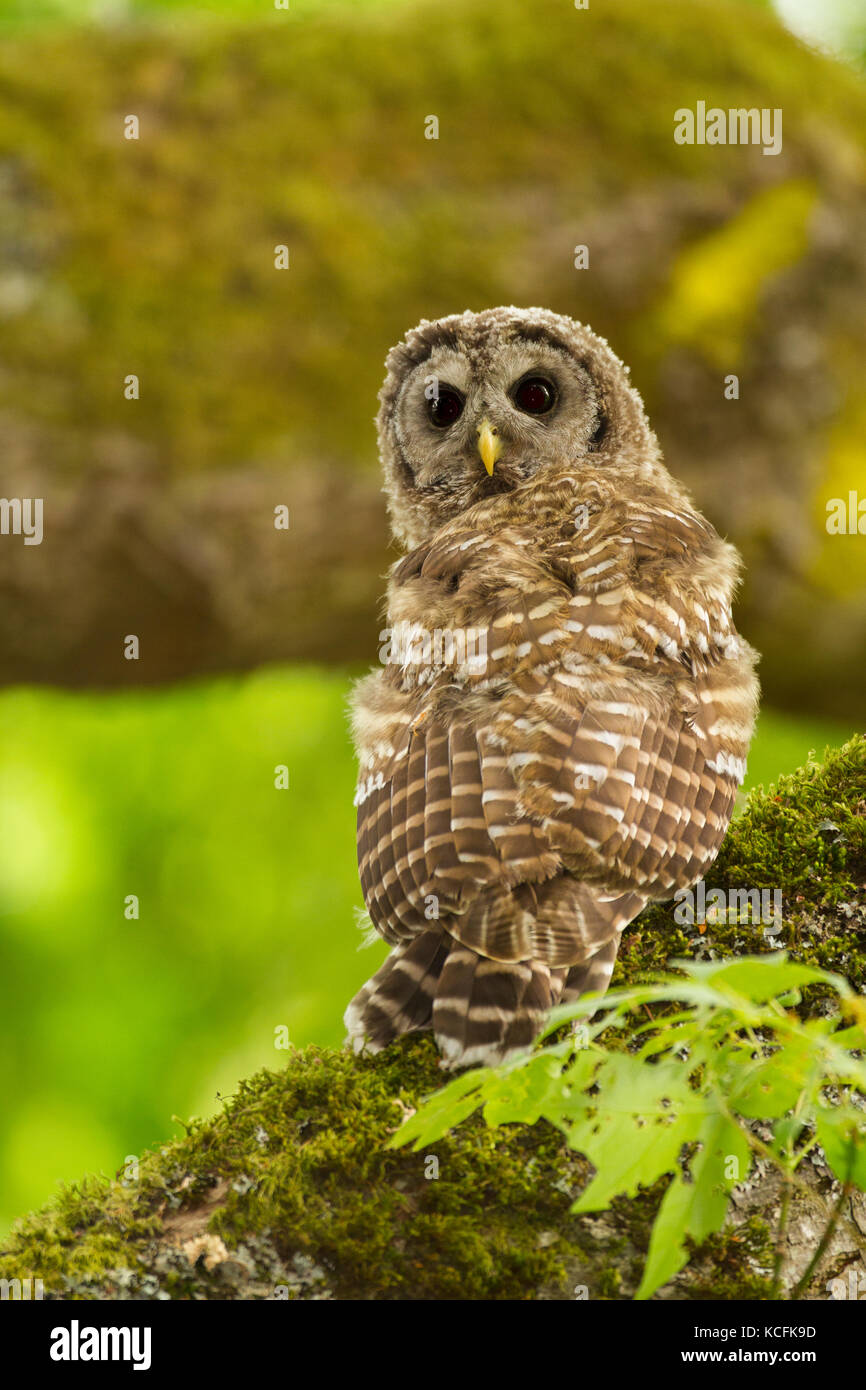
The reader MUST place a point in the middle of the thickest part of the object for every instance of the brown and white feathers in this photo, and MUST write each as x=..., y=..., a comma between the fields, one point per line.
x=564, y=709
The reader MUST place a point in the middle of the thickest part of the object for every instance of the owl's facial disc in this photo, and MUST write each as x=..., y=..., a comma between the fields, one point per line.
x=476, y=406
x=476, y=420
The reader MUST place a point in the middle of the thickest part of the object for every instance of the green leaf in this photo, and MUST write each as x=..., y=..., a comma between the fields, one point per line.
x=785, y=1135
x=627, y=1158
x=697, y=1208
x=758, y=978
x=772, y=1086
x=853, y=1037
x=673, y=1094
x=641, y=1117
x=841, y=1133
x=521, y=1095
x=443, y=1111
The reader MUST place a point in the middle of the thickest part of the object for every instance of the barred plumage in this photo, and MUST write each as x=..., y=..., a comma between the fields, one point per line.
x=519, y=805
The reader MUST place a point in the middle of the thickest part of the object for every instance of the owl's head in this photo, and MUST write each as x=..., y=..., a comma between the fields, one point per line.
x=477, y=404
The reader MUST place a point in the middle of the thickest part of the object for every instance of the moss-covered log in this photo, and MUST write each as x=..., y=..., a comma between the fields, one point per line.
x=290, y=1192
x=156, y=257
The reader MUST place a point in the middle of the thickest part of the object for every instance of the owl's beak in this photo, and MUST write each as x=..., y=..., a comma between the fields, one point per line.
x=489, y=444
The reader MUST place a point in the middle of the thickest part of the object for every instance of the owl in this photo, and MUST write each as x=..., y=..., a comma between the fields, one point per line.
x=560, y=719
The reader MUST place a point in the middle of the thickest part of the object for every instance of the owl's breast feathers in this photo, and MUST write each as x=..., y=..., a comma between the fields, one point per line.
x=561, y=724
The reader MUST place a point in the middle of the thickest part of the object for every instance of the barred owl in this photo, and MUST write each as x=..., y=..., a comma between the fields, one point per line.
x=561, y=718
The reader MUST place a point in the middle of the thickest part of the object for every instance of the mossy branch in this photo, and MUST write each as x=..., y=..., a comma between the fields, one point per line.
x=292, y=1193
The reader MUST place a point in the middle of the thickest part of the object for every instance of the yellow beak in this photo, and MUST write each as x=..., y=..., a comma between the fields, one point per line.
x=489, y=445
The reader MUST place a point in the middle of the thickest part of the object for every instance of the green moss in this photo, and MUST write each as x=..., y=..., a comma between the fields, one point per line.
x=291, y=1188
x=806, y=834
x=718, y=283
x=299, y=1164
x=736, y=1265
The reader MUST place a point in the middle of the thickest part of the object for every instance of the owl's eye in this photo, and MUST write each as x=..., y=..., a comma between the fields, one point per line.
x=534, y=395
x=445, y=408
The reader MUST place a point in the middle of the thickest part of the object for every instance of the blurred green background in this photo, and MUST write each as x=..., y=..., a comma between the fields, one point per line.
x=258, y=391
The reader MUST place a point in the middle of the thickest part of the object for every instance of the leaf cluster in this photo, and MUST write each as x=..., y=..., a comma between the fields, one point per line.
x=684, y=1077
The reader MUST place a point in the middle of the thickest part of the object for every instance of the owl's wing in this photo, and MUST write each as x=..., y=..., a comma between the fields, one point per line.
x=592, y=765
x=436, y=827
x=640, y=734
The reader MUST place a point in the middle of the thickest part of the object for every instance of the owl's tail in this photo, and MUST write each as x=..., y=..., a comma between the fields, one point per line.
x=399, y=997
x=486, y=1010
x=481, y=1011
